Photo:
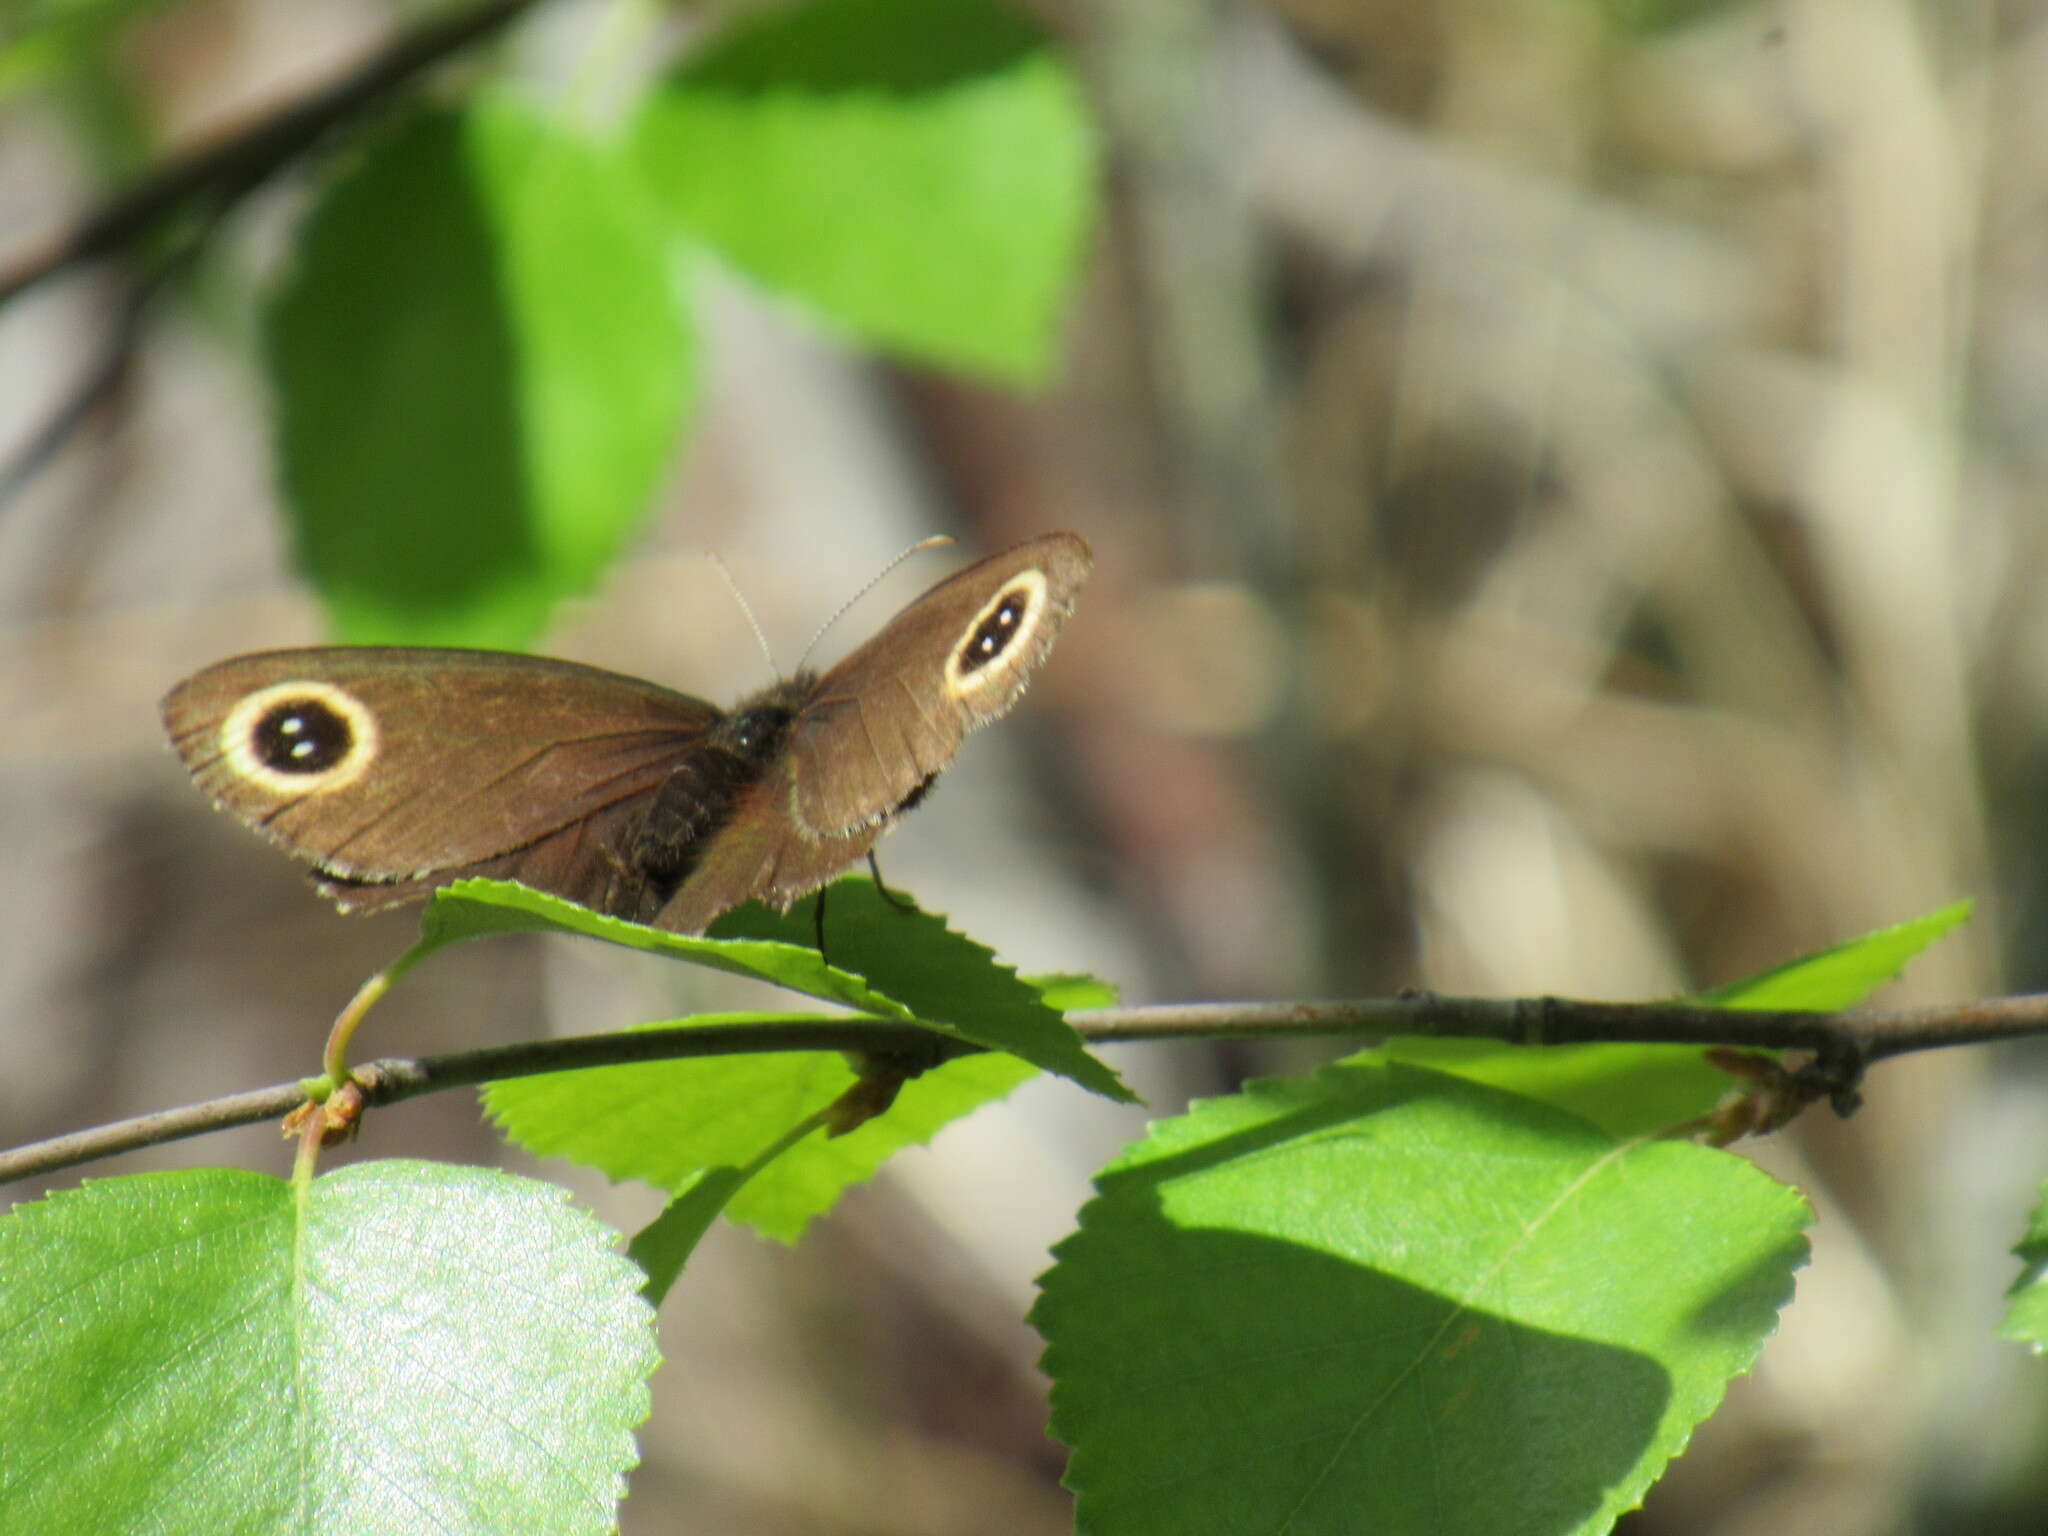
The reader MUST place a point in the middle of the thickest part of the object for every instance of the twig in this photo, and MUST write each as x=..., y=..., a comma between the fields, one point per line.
x=393, y=1080
x=102, y=375
x=1844, y=1042
x=1517, y=1020
x=216, y=177
x=1869, y=1034
x=229, y=168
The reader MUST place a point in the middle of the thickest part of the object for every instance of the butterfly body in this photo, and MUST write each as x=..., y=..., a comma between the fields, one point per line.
x=393, y=769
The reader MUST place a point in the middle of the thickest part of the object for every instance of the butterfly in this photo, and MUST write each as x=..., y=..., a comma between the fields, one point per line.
x=393, y=770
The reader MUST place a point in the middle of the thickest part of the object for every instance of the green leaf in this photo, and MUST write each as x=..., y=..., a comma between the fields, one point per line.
x=943, y=976
x=672, y=1123
x=1631, y=1089
x=1068, y=991
x=1389, y=1300
x=920, y=171
x=664, y=1245
x=398, y=1347
x=471, y=909
x=949, y=983
x=668, y=1242
x=1626, y=1090
x=668, y=1123
x=1843, y=976
x=481, y=365
x=2026, y=1312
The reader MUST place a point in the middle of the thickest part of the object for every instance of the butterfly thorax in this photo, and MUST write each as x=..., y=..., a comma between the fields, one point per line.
x=758, y=723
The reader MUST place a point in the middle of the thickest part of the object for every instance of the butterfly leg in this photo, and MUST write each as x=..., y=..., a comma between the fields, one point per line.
x=900, y=903
x=818, y=921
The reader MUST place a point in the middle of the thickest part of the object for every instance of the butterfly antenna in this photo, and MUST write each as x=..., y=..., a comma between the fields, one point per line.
x=747, y=608
x=934, y=542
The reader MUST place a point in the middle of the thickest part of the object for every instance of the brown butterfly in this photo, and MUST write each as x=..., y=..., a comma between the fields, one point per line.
x=396, y=769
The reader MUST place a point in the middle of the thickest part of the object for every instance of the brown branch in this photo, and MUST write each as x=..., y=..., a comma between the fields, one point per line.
x=1516, y=1020
x=396, y=1079
x=1843, y=1043
x=102, y=376
x=225, y=170
x=215, y=177
x=1867, y=1034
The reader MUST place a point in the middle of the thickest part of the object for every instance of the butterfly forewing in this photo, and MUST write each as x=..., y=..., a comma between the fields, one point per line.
x=893, y=713
x=387, y=763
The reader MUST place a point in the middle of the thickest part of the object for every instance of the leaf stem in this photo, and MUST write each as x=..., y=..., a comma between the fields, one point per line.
x=334, y=1060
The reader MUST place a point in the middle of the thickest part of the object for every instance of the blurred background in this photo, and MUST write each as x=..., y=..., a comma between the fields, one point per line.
x=1567, y=482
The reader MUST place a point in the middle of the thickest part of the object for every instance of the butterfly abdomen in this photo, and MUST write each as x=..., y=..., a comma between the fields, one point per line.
x=696, y=800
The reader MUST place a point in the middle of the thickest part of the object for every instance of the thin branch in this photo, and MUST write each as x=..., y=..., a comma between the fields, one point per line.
x=1517, y=1020
x=228, y=168
x=214, y=178
x=396, y=1079
x=1866, y=1034
x=1848, y=1041
x=103, y=375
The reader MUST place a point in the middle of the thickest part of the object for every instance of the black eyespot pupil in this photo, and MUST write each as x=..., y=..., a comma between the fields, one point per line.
x=992, y=636
x=301, y=736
